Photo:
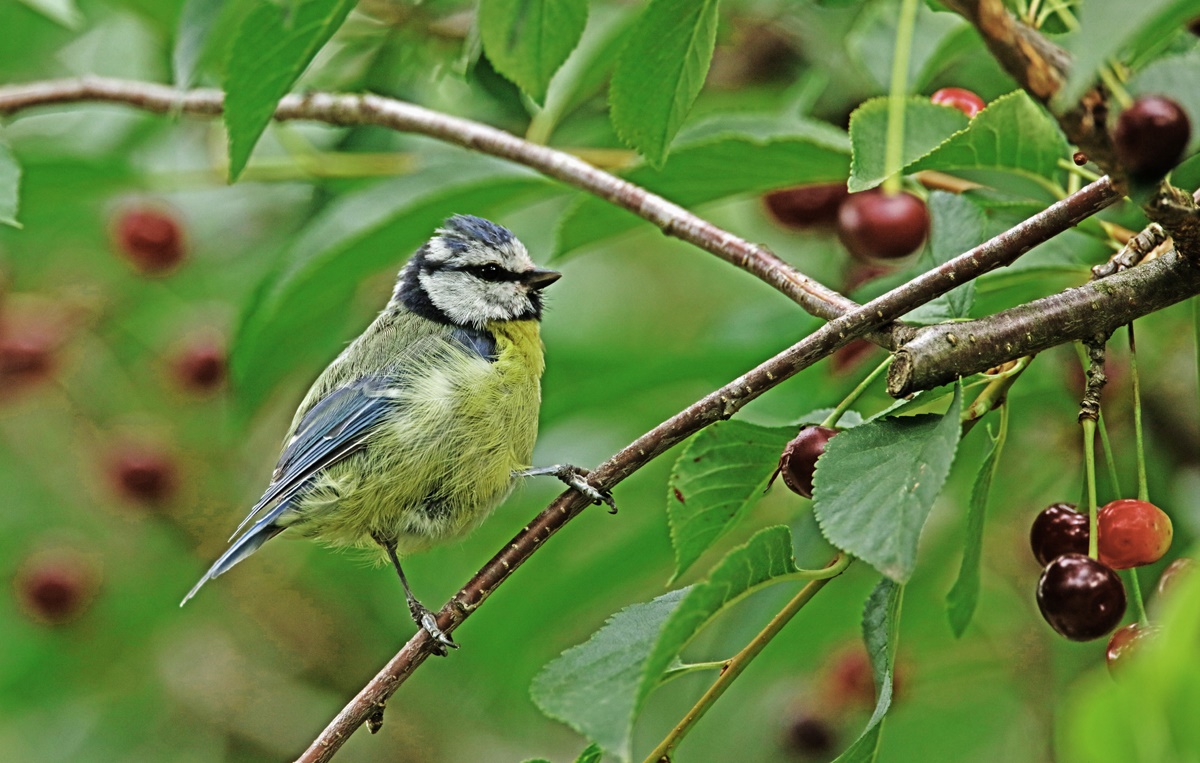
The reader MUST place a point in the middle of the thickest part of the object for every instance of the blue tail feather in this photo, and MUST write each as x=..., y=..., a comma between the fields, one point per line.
x=244, y=547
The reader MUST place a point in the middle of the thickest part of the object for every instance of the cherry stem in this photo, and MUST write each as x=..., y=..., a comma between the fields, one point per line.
x=1113, y=479
x=1143, y=488
x=832, y=418
x=734, y=666
x=893, y=157
x=1136, y=585
x=1089, y=464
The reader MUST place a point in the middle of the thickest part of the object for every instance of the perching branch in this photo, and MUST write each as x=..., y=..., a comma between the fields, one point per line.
x=368, y=109
x=938, y=354
x=721, y=404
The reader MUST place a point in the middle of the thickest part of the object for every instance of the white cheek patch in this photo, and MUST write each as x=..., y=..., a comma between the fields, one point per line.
x=469, y=301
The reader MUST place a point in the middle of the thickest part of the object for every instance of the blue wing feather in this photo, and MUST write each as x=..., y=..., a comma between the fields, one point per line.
x=332, y=430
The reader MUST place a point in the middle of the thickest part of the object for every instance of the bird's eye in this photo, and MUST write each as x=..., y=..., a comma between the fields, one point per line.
x=489, y=272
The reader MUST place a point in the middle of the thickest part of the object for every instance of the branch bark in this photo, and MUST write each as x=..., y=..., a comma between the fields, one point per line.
x=939, y=354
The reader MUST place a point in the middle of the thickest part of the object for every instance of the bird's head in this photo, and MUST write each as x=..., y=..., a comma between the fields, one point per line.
x=471, y=272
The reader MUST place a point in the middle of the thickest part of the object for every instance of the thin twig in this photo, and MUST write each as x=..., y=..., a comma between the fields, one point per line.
x=734, y=666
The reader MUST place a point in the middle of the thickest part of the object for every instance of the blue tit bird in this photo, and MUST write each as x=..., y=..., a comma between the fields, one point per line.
x=417, y=431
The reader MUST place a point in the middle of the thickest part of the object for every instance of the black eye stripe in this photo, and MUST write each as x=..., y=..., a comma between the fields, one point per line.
x=489, y=272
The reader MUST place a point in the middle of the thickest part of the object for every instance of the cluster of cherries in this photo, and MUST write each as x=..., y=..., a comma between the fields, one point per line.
x=872, y=225
x=1082, y=597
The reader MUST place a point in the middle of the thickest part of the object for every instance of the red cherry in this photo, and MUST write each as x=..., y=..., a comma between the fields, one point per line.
x=151, y=238
x=1151, y=136
x=807, y=206
x=144, y=475
x=1125, y=642
x=1132, y=533
x=54, y=588
x=873, y=224
x=201, y=367
x=798, y=462
x=963, y=100
x=1058, y=530
x=1080, y=598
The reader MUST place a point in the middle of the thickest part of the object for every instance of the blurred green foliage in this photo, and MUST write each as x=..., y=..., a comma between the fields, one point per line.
x=285, y=266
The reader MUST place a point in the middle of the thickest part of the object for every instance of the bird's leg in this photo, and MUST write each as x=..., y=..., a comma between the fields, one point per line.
x=422, y=616
x=574, y=477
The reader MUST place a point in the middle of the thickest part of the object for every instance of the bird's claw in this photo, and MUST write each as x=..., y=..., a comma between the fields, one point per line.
x=576, y=480
x=428, y=622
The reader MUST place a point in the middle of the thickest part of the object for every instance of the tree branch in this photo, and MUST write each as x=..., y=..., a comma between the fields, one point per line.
x=345, y=110
x=938, y=354
x=721, y=404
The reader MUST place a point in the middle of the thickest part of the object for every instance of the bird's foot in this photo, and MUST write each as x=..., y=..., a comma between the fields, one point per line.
x=427, y=621
x=576, y=478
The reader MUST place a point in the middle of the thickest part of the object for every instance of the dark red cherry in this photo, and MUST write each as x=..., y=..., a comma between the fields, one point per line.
x=200, y=367
x=806, y=206
x=1080, y=598
x=799, y=460
x=876, y=225
x=1058, y=530
x=1151, y=136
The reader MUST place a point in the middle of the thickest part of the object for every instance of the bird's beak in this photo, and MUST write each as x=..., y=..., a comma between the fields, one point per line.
x=539, y=278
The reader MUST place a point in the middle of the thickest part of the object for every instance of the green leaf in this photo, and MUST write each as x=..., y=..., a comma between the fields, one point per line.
x=1013, y=134
x=660, y=73
x=10, y=186
x=875, y=485
x=527, y=40
x=271, y=50
x=926, y=126
x=872, y=41
x=63, y=12
x=359, y=235
x=591, y=754
x=1107, y=28
x=593, y=687
x=721, y=473
x=599, y=687
x=714, y=168
x=880, y=620
x=196, y=21
x=957, y=225
x=964, y=594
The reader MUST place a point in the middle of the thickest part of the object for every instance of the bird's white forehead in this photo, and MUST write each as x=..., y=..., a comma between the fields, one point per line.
x=442, y=252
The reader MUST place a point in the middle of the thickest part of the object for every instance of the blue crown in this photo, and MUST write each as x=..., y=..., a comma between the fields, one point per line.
x=468, y=228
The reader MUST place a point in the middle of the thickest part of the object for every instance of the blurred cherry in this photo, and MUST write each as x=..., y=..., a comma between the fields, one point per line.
x=1151, y=136
x=200, y=367
x=143, y=474
x=150, y=237
x=807, y=206
x=55, y=587
x=1125, y=642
